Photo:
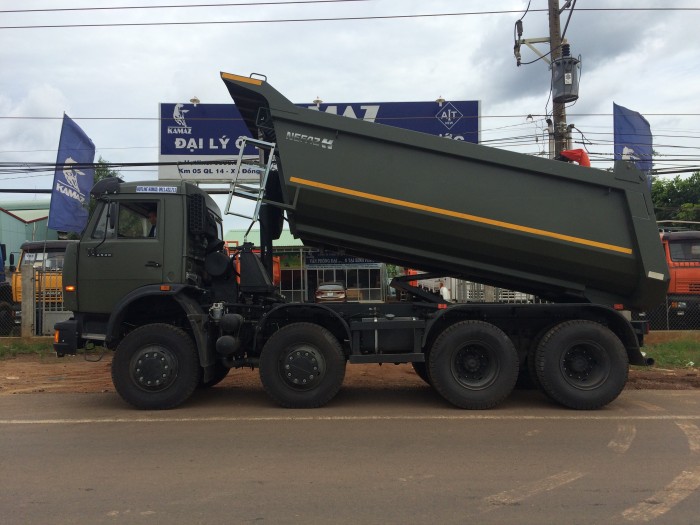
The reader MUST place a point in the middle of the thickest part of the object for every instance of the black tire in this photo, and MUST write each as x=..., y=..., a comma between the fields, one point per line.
x=156, y=367
x=220, y=373
x=302, y=366
x=581, y=364
x=421, y=370
x=531, y=361
x=473, y=365
x=7, y=319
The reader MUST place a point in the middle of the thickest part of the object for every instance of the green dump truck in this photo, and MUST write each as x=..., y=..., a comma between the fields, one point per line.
x=178, y=314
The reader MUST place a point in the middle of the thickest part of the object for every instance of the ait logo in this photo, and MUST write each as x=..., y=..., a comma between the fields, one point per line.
x=71, y=186
x=179, y=117
x=448, y=115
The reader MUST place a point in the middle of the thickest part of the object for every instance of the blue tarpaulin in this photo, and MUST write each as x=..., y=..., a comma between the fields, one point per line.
x=73, y=178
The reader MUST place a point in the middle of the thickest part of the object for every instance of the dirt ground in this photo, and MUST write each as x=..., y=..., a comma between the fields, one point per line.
x=29, y=374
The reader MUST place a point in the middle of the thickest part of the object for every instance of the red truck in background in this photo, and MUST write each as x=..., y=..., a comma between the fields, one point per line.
x=681, y=244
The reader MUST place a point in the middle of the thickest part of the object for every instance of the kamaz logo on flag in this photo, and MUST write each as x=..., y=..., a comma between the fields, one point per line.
x=68, y=211
x=71, y=186
x=449, y=115
x=179, y=118
x=309, y=139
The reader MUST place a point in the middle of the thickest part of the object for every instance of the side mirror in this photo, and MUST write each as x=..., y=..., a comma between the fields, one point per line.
x=112, y=215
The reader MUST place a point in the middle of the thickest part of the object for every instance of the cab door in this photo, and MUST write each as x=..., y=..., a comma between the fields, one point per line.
x=120, y=252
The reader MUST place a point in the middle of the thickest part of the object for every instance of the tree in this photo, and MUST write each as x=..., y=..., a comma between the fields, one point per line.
x=102, y=171
x=677, y=198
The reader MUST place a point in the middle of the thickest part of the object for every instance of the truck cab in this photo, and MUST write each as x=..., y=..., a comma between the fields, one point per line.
x=46, y=257
x=141, y=258
x=682, y=250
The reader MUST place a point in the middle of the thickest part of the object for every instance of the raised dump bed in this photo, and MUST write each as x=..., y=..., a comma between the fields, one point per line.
x=561, y=231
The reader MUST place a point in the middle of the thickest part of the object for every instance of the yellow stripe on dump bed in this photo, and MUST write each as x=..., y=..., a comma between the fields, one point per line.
x=238, y=78
x=460, y=215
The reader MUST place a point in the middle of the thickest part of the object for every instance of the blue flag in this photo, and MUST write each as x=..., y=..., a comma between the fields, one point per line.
x=633, y=140
x=72, y=180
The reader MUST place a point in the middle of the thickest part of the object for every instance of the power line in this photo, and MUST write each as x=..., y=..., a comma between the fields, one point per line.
x=180, y=6
x=275, y=21
x=332, y=19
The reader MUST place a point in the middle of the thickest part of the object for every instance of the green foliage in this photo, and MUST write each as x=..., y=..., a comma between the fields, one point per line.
x=12, y=347
x=675, y=354
x=102, y=171
x=677, y=198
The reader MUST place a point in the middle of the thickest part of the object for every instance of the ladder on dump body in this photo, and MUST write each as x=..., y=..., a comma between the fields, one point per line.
x=252, y=188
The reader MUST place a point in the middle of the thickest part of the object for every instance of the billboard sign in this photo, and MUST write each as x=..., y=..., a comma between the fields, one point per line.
x=209, y=134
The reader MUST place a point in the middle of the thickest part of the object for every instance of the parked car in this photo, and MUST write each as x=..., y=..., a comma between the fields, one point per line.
x=331, y=292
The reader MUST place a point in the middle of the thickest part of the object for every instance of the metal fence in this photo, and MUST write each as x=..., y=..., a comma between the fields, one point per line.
x=41, y=306
x=49, y=308
x=469, y=292
x=677, y=313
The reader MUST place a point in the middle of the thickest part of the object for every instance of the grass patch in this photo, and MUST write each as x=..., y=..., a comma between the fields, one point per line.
x=12, y=347
x=675, y=354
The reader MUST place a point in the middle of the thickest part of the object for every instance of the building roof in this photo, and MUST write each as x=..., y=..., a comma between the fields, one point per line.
x=42, y=204
x=28, y=215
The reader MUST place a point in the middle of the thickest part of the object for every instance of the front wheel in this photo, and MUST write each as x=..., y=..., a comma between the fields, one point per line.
x=473, y=365
x=581, y=364
x=156, y=367
x=302, y=366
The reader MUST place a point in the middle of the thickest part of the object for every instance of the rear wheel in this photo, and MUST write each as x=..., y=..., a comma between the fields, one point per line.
x=473, y=365
x=156, y=367
x=302, y=366
x=581, y=364
x=421, y=370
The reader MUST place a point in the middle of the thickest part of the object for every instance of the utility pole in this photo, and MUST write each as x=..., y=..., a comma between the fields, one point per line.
x=558, y=108
x=564, y=73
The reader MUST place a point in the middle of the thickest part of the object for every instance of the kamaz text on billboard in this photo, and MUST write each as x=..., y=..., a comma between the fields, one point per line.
x=203, y=139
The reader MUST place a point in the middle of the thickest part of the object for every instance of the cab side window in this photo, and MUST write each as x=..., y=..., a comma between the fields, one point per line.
x=104, y=229
x=137, y=220
x=127, y=220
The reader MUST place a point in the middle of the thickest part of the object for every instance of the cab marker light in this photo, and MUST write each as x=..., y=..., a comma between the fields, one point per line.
x=70, y=288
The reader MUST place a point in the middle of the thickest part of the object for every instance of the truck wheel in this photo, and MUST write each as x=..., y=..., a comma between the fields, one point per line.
x=156, y=367
x=7, y=321
x=473, y=365
x=421, y=370
x=302, y=366
x=581, y=364
x=531, y=359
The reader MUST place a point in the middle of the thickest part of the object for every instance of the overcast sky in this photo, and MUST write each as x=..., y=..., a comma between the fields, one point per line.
x=111, y=79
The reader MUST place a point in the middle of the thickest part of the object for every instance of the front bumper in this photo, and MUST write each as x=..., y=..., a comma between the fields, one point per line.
x=65, y=341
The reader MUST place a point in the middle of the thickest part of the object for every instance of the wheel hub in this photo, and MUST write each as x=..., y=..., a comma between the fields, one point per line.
x=302, y=367
x=473, y=368
x=585, y=365
x=153, y=368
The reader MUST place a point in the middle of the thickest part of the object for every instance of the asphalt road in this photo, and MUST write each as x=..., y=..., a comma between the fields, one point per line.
x=372, y=456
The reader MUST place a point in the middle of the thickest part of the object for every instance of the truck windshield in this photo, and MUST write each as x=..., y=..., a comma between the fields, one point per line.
x=54, y=261
x=685, y=251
